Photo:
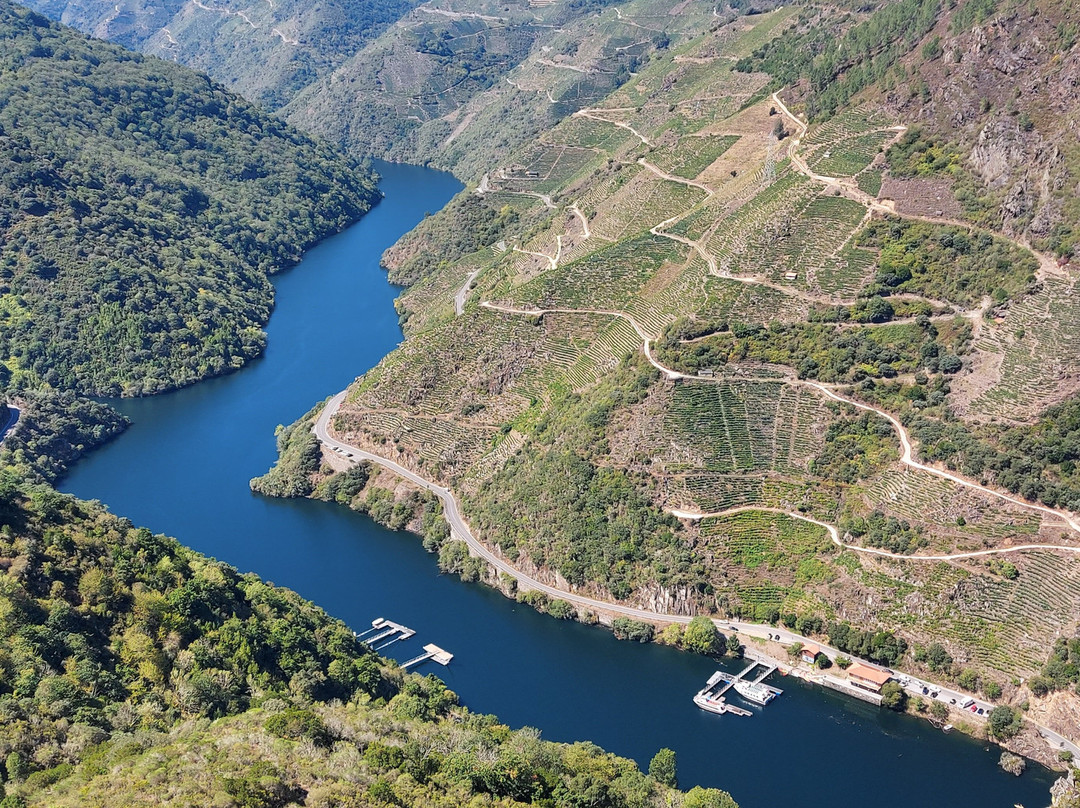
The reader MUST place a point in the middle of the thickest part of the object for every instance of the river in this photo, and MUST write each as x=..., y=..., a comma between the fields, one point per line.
x=183, y=469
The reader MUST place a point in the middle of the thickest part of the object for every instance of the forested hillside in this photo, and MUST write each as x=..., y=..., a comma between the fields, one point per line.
x=142, y=209
x=449, y=82
x=264, y=51
x=122, y=652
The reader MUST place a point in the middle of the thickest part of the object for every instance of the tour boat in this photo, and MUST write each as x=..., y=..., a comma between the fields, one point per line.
x=757, y=693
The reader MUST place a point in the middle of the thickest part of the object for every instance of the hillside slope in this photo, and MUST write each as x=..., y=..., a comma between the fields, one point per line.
x=134, y=671
x=744, y=338
x=142, y=209
x=263, y=51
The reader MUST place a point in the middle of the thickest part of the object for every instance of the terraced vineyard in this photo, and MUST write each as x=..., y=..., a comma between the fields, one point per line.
x=851, y=155
x=639, y=202
x=744, y=426
x=756, y=545
x=692, y=154
x=606, y=279
x=938, y=504
x=612, y=234
x=547, y=169
x=1038, y=342
x=817, y=240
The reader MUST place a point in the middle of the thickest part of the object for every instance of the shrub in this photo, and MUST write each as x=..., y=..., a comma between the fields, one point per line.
x=634, y=630
x=295, y=724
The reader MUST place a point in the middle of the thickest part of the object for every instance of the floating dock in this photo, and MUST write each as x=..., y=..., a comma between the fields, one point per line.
x=384, y=630
x=430, y=652
x=713, y=696
x=388, y=632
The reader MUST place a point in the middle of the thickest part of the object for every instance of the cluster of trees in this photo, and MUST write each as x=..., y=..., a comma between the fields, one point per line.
x=108, y=629
x=946, y=263
x=855, y=447
x=464, y=226
x=1062, y=669
x=824, y=351
x=837, y=66
x=886, y=532
x=54, y=429
x=1038, y=461
x=919, y=153
x=700, y=636
x=299, y=458
x=141, y=210
x=883, y=647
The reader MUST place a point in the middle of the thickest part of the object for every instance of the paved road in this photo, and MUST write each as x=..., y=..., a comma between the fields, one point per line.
x=460, y=530
x=13, y=414
x=463, y=292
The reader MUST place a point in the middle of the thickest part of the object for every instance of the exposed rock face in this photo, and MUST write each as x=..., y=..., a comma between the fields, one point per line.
x=1007, y=92
x=1013, y=764
x=998, y=152
x=1065, y=792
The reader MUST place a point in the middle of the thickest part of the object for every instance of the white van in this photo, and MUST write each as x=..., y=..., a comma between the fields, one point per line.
x=967, y=702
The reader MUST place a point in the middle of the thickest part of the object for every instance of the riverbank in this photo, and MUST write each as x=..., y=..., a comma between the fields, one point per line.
x=499, y=573
x=196, y=450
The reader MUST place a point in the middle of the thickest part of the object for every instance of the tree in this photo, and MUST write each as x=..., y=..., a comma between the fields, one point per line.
x=701, y=636
x=734, y=647
x=634, y=630
x=778, y=129
x=937, y=657
x=699, y=797
x=893, y=696
x=969, y=679
x=662, y=768
x=1004, y=723
x=938, y=710
x=16, y=766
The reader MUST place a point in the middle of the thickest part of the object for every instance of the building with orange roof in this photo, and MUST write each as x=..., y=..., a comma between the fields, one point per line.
x=868, y=678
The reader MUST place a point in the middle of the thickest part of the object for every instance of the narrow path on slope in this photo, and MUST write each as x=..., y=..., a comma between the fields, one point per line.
x=834, y=534
x=907, y=455
x=460, y=530
x=463, y=292
x=590, y=113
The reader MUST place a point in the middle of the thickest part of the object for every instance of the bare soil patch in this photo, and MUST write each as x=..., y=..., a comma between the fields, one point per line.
x=922, y=196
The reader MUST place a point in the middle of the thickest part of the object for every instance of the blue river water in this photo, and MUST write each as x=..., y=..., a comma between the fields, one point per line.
x=183, y=469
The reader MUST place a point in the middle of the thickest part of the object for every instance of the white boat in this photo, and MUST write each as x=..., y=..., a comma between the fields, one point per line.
x=757, y=693
x=710, y=703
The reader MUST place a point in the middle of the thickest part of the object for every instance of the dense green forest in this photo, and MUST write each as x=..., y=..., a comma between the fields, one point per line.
x=1038, y=461
x=141, y=210
x=54, y=429
x=827, y=352
x=119, y=648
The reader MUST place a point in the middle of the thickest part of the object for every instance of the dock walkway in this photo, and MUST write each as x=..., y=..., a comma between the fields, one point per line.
x=713, y=697
x=387, y=630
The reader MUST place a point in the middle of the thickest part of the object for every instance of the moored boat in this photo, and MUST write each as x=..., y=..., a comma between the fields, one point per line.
x=755, y=692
